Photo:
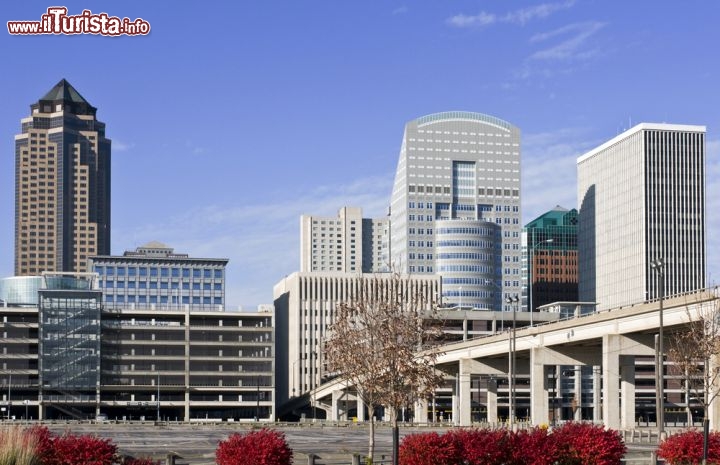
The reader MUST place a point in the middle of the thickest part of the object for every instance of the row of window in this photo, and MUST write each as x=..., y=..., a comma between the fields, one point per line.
x=420, y=269
x=155, y=285
x=154, y=299
x=163, y=272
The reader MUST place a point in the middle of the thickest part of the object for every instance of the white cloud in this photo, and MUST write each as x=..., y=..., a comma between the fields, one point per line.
x=261, y=240
x=119, y=146
x=520, y=16
x=576, y=35
x=480, y=19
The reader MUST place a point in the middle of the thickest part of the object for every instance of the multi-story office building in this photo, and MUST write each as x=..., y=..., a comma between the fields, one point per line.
x=66, y=355
x=347, y=243
x=155, y=277
x=305, y=308
x=642, y=198
x=460, y=166
x=62, y=185
x=551, y=245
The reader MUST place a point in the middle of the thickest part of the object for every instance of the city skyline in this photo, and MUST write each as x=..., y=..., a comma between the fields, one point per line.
x=229, y=124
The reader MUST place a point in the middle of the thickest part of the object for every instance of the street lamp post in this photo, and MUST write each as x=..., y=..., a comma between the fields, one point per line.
x=659, y=266
x=531, y=253
x=158, y=396
x=511, y=362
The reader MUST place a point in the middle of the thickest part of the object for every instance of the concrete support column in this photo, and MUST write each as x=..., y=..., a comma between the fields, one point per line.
x=577, y=394
x=597, y=394
x=627, y=391
x=538, y=390
x=455, y=401
x=465, y=394
x=360, y=405
x=335, y=408
x=187, y=404
x=611, y=380
x=421, y=411
x=714, y=407
x=492, y=415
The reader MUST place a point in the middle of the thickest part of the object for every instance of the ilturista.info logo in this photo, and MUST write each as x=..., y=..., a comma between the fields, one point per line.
x=57, y=21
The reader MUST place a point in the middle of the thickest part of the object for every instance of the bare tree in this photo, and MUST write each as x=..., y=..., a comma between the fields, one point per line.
x=375, y=343
x=695, y=355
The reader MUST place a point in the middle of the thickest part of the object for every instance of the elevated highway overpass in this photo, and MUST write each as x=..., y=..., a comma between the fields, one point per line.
x=609, y=359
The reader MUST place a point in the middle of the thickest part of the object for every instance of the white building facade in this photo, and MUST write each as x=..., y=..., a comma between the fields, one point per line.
x=347, y=243
x=305, y=308
x=642, y=197
x=458, y=166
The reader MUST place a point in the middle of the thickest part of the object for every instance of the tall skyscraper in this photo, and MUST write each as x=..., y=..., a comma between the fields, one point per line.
x=455, y=207
x=642, y=199
x=62, y=185
x=347, y=243
x=551, y=245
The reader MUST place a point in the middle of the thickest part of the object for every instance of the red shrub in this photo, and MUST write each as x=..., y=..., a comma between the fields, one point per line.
x=532, y=447
x=483, y=447
x=83, y=450
x=44, y=438
x=429, y=449
x=686, y=448
x=587, y=444
x=263, y=447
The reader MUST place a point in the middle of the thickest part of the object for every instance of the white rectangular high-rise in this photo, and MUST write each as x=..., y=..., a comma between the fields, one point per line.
x=347, y=243
x=642, y=198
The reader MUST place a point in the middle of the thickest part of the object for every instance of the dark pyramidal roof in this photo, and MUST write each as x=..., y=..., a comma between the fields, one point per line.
x=63, y=90
x=72, y=101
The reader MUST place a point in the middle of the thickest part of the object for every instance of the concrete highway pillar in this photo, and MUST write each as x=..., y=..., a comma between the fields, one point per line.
x=577, y=394
x=492, y=416
x=611, y=380
x=538, y=390
x=421, y=411
x=360, y=409
x=714, y=407
x=597, y=394
x=465, y=394
x=627, y=391
x=335, y=408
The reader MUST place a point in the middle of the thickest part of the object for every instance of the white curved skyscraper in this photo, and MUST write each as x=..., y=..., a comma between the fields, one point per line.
x=461, y=166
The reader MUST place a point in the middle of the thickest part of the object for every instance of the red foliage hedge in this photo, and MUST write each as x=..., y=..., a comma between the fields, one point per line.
x=686, y=448
x=262, y=447
x=571, y=444
x=70, y=449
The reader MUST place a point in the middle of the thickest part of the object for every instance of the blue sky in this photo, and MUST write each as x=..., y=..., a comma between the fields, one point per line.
x=232, y=119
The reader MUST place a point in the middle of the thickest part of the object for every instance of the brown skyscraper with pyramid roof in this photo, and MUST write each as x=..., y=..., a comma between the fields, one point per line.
x=62, y=185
